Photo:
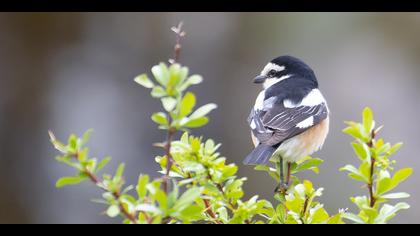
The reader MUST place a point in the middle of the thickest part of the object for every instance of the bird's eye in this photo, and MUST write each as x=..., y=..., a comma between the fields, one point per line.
x=271, y=73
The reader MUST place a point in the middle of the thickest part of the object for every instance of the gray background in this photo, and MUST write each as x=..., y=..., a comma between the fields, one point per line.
x=72, y=71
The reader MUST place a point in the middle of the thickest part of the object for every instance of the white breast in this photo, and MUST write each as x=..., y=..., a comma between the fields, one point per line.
x=259, y=103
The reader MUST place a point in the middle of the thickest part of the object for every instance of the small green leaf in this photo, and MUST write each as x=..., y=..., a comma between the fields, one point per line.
x=394, y=148
x=308, y=164
x=368, y=122
x=187, y=198
x=195, y=79
x=113, y=211
x=400, y=176
x=142, y=186
x=86, y=137
x=161, y=73
x=187, y=104
x=199, y=122
x=356, y=219
x=169, y=103
x=68, y=181
x=103, y=163
x=148, y=208
x=144, y=81
x=203, y=111
x=355, y=132
x=384, y=183
x=395, y=196
x=160, y=118
x=355, y=172
x=120, y=170
x=361, y=150
x=388, y=212
x=158, y=92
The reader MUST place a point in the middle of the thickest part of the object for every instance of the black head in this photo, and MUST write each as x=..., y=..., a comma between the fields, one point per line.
x=285, y=67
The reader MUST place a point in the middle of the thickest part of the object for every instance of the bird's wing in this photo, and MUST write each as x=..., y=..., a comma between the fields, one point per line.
x=274, y=125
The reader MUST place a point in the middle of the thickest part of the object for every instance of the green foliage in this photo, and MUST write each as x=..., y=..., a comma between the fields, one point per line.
x=375, y=172
x=171, y=84
x=199, y=186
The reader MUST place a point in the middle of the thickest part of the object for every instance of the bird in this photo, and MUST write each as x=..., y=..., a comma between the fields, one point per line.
x=290, y=118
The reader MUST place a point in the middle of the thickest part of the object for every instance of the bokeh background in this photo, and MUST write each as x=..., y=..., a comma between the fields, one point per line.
x=72, y=71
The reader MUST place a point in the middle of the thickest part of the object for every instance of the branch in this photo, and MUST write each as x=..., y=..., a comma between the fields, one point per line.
x=179, y=35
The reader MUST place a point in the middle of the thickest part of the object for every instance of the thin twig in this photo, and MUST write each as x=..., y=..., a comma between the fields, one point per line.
x=179, y=35
x=210, y=211
x=169, y=161
x=117, y=196
x=372, y=200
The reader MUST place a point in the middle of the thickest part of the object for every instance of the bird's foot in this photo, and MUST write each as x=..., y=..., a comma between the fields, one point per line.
x=282, y=188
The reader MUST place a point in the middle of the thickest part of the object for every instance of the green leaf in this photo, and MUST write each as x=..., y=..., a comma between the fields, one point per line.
x=158, y=92
x=368, y=122
x=356, y=219
x=195, y=79
x=361, y=150
x=103, y=163
x=68, y=181
x=336, y=219
x=161, y=73
x=395, y=196
x=160, y=118
x=365, y=169
x=120, y=170
x=57, y=144
x=113, y=211
x=169, y=103
x=86, y=137
x=148, y=208
x=394, y=148
x=400, y=176
x=388, y=212
x=187, y=198
x=142, y=186
x=384, y=183
x=144, y=81
x=195, y=123
x=355, y=132
x=203, y=111
x=73, y=142
x=187, y=104
x=309, y=164
x=355, y=173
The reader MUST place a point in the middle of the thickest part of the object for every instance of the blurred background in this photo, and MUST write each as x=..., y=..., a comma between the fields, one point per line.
x=69, y=72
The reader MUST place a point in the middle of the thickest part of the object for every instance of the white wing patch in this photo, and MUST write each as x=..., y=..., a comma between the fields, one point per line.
x=313, y=98
x=306, y=123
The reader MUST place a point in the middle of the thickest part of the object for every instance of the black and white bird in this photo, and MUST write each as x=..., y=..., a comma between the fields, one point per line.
x=290, y=118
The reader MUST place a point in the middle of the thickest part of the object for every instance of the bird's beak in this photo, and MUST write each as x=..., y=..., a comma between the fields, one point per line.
x=260, y=79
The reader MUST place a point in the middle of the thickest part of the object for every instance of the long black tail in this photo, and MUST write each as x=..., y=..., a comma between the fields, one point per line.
x=260, y=155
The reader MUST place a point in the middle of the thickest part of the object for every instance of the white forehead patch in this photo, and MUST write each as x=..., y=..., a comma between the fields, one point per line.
x=272, y=66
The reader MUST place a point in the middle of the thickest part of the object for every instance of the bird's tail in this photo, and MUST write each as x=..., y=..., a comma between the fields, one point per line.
x=260, y=155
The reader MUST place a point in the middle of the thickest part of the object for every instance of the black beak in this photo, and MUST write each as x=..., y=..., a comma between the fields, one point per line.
x=260, y=79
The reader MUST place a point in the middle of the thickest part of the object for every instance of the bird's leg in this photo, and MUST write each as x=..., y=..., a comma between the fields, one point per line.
x=289, y=174
x=282, y=187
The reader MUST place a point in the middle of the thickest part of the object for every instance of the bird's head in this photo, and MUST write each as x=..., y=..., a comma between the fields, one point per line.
x=284, y=67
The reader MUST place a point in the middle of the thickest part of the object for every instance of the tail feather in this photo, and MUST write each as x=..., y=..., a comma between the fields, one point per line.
x=260, y=155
